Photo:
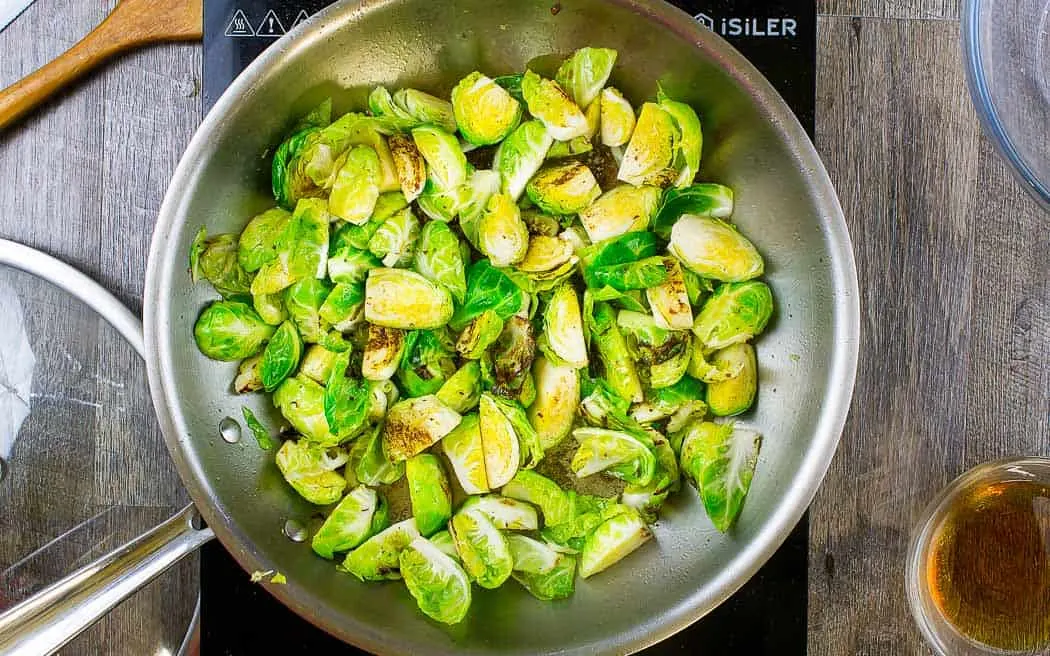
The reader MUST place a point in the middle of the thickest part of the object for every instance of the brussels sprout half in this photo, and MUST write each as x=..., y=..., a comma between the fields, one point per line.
x=735, y=313
x=395, y=239
x=650, y=153
x=349, y=524
x=438, y=583
x=557, y=397
x=563, y=327
x=585, y=73
x=563, y=188
x=396, y=298
x=281, y=356
x=549, y=103
x=411, y=167
x=463, y=448
x=554, y=503
x=378, y=557
x=346, y=400
x=720, y=460
x=413, y=425
x=446, y=163
x=301, y=402
x=735, y=395
x=482, y=548
x=485, y=112
x=462, y=390
x=612, y=541
x=617, y=453
x=621, y=210
x=230, y=330
x=356, y=187
x=714, y=249
x=481, y=333
x=505, y=513
x=520, y=155
x=617, y=118
x=440, y=259
x=502, y=235
x=310, y=471
x=429, y=492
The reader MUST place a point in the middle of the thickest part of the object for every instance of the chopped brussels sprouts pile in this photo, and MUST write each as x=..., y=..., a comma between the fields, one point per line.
x=489, y=342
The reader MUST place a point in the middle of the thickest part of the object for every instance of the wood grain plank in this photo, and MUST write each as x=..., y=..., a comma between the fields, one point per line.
x=900, y=139
x=906, y=9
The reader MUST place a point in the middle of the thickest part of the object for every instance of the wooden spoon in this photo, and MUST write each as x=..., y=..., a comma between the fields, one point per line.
x=131, y=24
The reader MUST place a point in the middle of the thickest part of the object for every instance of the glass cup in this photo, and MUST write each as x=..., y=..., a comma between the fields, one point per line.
x=939, y=632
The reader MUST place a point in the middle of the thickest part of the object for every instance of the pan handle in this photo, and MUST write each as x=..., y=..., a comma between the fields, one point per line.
x=52, y=617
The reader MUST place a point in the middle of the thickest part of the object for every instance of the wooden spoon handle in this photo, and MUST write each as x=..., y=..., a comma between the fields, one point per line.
x=131, y=24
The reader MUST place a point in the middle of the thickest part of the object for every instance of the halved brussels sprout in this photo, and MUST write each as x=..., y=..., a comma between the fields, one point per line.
x=545, y=254
x=310, y=470
x=289, y=182
x=429, y=492
x=735, y=395
x=505, y=513
x=543, y=281
x=478, y=190
x=383, y=352
x=512, y=357
x=648, y=499
x=377, y=559
x=602, y=406
x=502, y=235
x=303, y=301
x=484, y=111
x=249, y=375
x=440, y=259
x=735, y=313
x=368, y=462
x=396, y=298
x=572, y=148
x=346, y=400
x=691, y=141
x=216, y=259
x=438, y=583
x=302, y=249
x=615, y=357
x=563, y=327
x=520, y=155
x=482, y=548
x=395, y=240
x=554, y=503
x=230, y=330
x=612, y=541
x=620, y=210
x=462, y=390
x=317, y=363
x=499, y=441
x=673, y=362
x=617, y=118
x=714, y=249
x=617, y=453
x=670, y=300
x=549, y=103
x=446, y=163
x=558, y=583
x=664, y=352
x=649, y=157
x=488, y=288
x=585, y=73
x=349, y=525
x=425, y=365
x=426, y=108
x=701, y=369
x=301, y=402
x=706, y=199
x=563, y=188
x=557, y=396
x=270, y=308
x=411, y=167
x=464, y=451
x=356, y=187
x=350, y=266
x=344, y=306
x=281, y=356
x=413, y=425
x=479, y=335
x=720, y=459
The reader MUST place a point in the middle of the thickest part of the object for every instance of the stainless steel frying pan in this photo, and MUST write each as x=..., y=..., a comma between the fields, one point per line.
x=784, y=201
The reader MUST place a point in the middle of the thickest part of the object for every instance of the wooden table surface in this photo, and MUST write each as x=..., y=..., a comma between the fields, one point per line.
x=953, y=257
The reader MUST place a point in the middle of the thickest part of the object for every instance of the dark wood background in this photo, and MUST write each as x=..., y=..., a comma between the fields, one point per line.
x=954, y=264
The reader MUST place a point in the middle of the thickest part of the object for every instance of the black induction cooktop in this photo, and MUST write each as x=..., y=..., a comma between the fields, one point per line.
x=768, y=615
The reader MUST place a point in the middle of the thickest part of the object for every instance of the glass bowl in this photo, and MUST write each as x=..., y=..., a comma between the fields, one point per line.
x=942, y=636
x=1006, y=47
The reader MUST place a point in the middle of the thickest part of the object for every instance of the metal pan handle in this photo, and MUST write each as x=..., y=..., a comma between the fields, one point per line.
x=52, y=617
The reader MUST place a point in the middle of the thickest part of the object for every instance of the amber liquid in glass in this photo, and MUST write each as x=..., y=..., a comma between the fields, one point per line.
x=989, y=565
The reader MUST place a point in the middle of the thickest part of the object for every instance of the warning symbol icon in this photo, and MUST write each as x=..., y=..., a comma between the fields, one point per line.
x=270, y=26
x=239, y=25
x=300, y=18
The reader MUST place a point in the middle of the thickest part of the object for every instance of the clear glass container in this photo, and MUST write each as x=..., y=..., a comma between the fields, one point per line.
x=1006, y=46
x=87, y=469
x=941, y=635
